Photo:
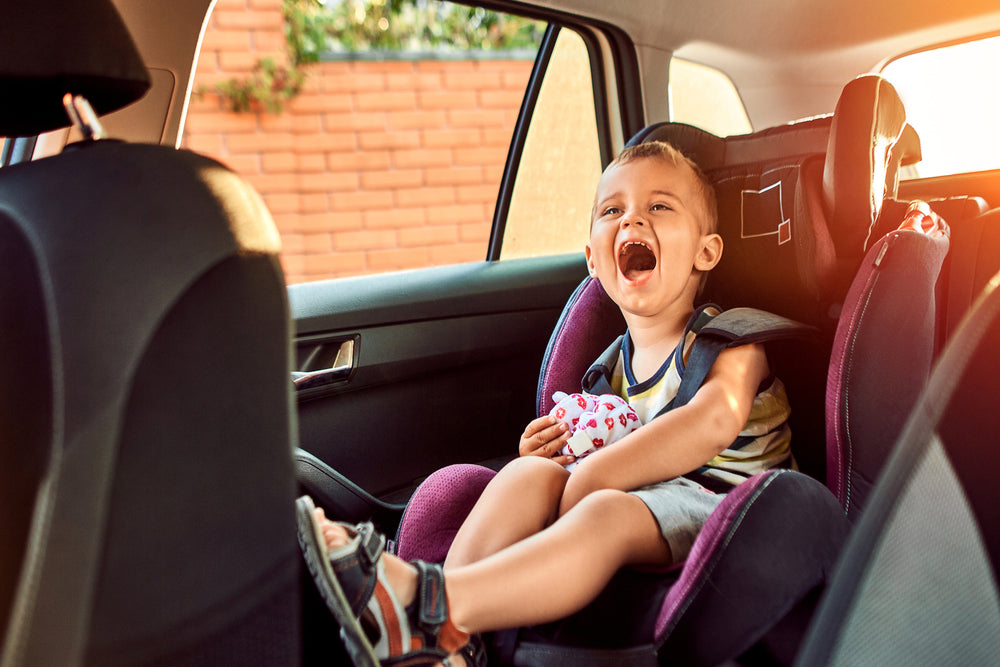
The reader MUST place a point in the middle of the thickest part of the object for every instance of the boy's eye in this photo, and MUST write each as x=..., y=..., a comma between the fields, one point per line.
x=660, y=207
x=611, y=210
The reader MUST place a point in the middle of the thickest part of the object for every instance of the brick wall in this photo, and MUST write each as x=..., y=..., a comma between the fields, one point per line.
x=377, y=165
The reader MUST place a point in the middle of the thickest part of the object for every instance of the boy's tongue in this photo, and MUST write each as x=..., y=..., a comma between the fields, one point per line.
x=635, y=260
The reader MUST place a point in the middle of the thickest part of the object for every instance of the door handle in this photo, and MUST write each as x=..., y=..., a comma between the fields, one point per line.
x=339, y=371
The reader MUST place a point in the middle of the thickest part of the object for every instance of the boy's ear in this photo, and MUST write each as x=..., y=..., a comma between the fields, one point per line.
x=710, y=253
x=590, y=262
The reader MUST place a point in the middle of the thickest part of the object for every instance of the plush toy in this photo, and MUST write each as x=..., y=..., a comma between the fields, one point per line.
x=593, y=421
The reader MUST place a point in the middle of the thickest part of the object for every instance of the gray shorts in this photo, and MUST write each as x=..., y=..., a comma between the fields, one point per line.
x=681, y=507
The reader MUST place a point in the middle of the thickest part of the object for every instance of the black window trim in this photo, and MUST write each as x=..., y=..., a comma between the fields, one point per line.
x=628, y=92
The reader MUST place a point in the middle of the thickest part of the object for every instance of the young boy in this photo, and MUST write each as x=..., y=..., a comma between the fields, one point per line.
x=635, y=503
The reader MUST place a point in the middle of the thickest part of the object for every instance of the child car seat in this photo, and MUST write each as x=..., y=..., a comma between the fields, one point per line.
x=917, y=582
x=146, y=477
x=788, y=228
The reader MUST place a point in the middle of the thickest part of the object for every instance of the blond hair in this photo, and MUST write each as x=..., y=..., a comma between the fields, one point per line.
x=663, y=151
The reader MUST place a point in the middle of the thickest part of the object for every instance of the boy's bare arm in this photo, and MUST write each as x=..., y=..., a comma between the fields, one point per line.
x=681, y=440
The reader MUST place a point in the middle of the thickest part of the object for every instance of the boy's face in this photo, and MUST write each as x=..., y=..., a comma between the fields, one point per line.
x=648, y=245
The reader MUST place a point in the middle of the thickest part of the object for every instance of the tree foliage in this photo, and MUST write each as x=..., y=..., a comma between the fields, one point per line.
x=315, y=27
x=416, y=25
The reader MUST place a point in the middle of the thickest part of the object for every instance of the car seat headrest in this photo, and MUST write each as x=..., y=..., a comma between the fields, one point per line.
x=770, y=230
x=707, y=150
x=712, y=152
x=49, y=48
x=859, y=169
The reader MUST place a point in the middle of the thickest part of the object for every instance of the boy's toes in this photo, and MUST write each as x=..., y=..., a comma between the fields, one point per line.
x=334, y=534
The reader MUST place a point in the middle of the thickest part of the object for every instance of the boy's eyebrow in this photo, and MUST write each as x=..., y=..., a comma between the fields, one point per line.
x=667, y=193
x=619, y=193
x=662, y=193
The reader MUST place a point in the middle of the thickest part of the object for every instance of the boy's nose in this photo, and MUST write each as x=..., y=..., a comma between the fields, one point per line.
x=632, y=219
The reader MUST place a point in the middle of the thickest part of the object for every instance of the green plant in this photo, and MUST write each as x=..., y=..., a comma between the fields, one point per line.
x=268, y=87
x=392, y=25
x=313, y=27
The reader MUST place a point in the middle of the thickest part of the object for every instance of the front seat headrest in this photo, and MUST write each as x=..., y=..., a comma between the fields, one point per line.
x=49, y=48
x=867, y=124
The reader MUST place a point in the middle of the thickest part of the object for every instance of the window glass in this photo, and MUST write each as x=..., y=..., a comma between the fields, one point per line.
x=705, y=97
x=561, y=163
x=951, y=100
x=375, y=130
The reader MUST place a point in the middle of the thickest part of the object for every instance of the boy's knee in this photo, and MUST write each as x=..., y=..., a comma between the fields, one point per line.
x=606, y=502
x=536, y=467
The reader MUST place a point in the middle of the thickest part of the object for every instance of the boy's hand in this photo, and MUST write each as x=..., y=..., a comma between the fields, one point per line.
x=545, y=436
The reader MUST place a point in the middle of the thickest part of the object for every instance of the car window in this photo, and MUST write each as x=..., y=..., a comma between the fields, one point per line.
x=383, y=148
x=705, y=97
x=561, y=161
x=952, y=105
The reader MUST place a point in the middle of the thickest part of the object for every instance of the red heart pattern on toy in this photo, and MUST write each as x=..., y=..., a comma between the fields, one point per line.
x=594, y=421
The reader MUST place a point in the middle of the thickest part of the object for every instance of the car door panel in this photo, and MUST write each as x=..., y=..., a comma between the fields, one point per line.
x=444, y=367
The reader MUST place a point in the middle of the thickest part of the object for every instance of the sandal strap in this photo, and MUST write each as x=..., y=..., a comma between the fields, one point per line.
x=432, y=605
x=355, y=564
x=371, y=545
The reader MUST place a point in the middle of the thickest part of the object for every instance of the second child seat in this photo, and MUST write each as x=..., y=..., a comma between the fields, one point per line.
x=777, y=207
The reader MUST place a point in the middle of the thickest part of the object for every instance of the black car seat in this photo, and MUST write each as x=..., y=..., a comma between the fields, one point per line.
x=917, y=582
x=781, y=257
x=145, y=402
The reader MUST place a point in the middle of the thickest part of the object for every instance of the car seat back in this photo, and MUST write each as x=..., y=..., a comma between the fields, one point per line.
x=917, y=582
x=590, y=320
x=149, y=436
x=882, y=352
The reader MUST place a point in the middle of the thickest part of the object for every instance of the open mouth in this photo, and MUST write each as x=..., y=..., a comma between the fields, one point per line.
x=635, y=259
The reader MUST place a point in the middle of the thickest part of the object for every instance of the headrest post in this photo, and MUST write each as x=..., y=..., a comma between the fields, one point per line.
x=83, y=117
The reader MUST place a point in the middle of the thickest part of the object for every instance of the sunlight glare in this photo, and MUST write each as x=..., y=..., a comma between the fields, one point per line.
x=952, y=96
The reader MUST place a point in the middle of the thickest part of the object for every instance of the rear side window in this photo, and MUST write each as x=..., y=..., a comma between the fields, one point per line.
x=705, y=97
x=951, y=95
x=561, y=162
x=376, y=131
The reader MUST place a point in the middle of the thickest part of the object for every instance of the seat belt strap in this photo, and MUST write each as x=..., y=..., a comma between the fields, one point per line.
x=731, y=328
x=597, y=379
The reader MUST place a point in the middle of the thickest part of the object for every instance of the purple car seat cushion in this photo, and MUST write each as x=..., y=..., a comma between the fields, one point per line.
x=788, y=529
x=589, y=322
x=437, y=509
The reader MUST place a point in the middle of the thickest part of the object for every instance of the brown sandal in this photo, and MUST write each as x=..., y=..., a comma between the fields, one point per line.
x=375, y=626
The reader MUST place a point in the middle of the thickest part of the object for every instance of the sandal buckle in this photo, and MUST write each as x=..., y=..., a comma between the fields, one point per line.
x=371, y=545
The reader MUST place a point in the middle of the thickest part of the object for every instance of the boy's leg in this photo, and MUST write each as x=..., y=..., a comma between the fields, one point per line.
x=547, y=576
x=558, y=571
x=521, y=500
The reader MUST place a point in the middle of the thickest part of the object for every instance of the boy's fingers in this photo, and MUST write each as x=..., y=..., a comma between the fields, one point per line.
x=537, y=426
x=543, y=437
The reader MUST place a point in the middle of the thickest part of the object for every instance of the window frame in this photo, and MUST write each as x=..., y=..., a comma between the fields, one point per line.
x=625, y=64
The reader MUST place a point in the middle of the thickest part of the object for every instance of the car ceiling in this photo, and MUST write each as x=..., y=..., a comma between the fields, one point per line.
x=788, y=58
x=792, y=63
